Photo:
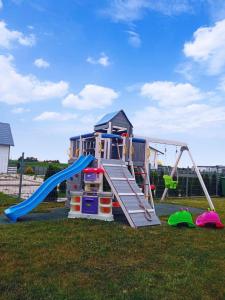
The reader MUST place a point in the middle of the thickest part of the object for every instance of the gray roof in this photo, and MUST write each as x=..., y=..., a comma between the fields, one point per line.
x=6, y=135
x=108, y=117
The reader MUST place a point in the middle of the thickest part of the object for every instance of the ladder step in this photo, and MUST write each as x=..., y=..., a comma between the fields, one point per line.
x=121, y=178
x=114, y=165
x=140, y=211
x=130, y=194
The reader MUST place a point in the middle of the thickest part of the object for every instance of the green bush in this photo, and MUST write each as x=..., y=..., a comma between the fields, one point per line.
x=53, y=195
x=62, y=188
x=29, y=171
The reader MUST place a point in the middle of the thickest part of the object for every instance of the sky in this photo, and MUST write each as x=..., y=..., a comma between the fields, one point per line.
x=64, y=64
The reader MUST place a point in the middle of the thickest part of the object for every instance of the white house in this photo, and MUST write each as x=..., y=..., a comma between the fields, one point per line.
x=6, y=140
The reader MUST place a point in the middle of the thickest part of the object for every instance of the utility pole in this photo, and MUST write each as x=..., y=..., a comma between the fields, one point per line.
x=21, y=175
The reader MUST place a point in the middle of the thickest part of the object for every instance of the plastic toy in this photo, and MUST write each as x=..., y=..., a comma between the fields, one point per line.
x=169, y=182
x=209, y=218
x=92, y=203
x=182, y=217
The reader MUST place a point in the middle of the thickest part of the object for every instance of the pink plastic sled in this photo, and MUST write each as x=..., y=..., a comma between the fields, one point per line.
x=209, y=218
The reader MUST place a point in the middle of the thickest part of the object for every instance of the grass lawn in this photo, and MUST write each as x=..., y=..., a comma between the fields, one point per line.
x=84, y=259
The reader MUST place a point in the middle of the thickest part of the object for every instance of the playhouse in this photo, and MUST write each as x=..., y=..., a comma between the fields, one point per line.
x=109, y=171
x=111, y=180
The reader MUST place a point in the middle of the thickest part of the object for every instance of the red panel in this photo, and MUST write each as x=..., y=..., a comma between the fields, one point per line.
x=105, y=200
x=93, y=170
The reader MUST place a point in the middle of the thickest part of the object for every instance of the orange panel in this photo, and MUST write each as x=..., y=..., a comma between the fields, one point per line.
x=105, y=210
x=76, y=199
x=76, y=207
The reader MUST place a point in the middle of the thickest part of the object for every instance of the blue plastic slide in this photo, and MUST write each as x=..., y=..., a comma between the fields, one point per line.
x=21, y=209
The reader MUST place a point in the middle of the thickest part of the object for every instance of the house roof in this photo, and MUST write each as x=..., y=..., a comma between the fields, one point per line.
x=108, y=117
x=6, y=135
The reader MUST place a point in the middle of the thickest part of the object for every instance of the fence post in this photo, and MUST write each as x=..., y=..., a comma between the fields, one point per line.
x=187, y=186
x=21, y=175
x=217, y=181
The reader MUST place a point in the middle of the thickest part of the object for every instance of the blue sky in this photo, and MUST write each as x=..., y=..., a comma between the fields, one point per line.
x=64, y=64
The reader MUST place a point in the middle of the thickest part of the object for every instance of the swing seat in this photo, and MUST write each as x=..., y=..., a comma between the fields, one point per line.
x=169, y=182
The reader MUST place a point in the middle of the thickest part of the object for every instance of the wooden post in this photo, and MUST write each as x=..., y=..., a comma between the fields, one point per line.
x=81, y=146
x=21, y=175
x=124, y=149
x=201, y=182
x=130, y=156
x=109, y=130
x=98, y=148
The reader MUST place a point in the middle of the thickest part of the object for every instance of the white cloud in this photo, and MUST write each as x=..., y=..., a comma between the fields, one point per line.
x=55, y=116
x=134, y=39
x=20, y=110
x=103, y=60
x=132, y=10
x=168, y=93
x=17, y=88
x=177, y=110
x=9, y=37
x=153, y=120
x=207, y=47
x=41, y=63
x=91, y=96
x=221, y=86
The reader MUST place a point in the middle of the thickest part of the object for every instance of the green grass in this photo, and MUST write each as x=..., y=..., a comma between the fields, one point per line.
x=6, y=201
x=84, y=259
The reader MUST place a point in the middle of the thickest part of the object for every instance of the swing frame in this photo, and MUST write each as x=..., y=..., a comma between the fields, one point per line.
x=183, y=147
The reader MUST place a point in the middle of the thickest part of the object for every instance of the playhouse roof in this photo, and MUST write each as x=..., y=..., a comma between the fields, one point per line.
x=108, y=117
x=6, y=135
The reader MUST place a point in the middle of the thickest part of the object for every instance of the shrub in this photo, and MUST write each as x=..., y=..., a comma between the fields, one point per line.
x=62, y=187
x=29, y=171
x=53, y=195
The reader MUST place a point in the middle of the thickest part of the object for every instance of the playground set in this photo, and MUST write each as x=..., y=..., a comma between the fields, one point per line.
x=102, y=176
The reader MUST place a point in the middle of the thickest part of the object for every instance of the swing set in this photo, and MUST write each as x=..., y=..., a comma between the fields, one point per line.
x=169, y=181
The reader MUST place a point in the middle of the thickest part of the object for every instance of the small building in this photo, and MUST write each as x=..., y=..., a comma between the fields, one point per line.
x=6, y=141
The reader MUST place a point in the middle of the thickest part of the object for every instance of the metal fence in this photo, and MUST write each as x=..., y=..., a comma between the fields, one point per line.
x=11, y=184
x=188, y=183
x=23, y=185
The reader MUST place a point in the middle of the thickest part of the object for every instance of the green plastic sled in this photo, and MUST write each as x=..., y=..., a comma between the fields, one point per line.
x=181, y=217
x=169, y=182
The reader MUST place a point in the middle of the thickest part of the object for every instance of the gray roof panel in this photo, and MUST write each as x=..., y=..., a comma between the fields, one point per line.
x=108, y=117
x=6, y=135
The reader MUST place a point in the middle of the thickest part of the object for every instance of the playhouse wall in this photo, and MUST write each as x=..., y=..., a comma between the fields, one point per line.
x=121, y=120
x=138, y=154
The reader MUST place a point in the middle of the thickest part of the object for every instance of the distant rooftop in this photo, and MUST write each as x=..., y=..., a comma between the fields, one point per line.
x=6, y=135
